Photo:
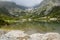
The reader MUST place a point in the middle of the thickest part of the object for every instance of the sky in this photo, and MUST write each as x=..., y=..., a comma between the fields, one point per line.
x=28, y=3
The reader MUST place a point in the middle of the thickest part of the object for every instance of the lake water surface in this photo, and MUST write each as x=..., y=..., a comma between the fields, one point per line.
x=39, y=27
x=36, y=27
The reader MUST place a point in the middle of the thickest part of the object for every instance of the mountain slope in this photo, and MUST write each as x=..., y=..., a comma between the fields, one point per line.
x=47, y=5
x=9, y=4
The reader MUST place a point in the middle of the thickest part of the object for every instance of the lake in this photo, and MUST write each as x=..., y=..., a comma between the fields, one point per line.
x=35, y=27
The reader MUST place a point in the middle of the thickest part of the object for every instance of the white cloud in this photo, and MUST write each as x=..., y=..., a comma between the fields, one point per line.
x=28, y=3
x=5, y=0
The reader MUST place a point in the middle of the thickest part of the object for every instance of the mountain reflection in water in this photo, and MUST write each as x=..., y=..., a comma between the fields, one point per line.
x=36, y=27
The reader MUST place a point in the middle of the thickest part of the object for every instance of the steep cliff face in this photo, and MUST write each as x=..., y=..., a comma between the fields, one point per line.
x=47, y=6
x=45, y=2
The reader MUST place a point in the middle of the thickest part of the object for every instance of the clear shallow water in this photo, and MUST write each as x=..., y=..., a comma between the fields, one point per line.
x=42, y=27
x=36, y=27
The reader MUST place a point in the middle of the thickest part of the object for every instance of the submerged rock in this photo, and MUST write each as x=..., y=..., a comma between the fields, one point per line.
x=20, y=35
x=14, y=35
x=47, y=36
x=36, y=36
x=51, y=36
x=2, y=32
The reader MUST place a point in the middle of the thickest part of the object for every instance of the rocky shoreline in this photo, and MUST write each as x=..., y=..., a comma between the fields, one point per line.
x=21, y=35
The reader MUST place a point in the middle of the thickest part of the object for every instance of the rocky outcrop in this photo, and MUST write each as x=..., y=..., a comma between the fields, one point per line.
x=14, y=35
x=21, y=35
x=36, y=36
x=2, y=32
x=51, y=36
x=47, y=5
